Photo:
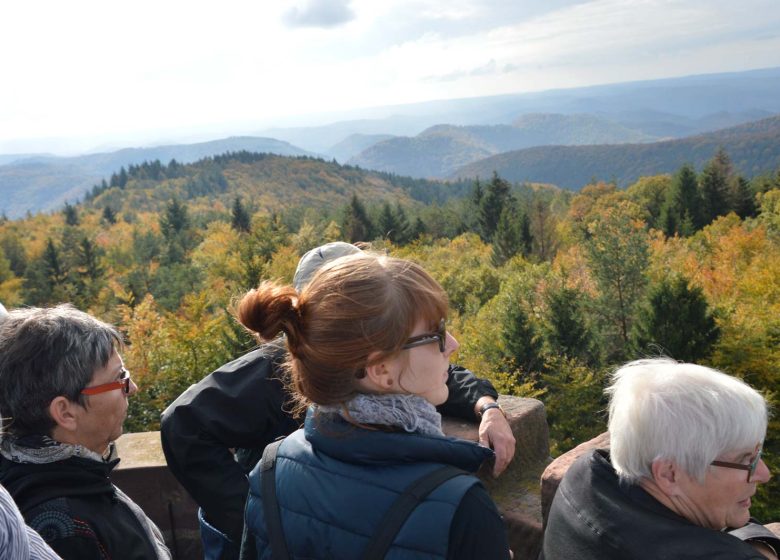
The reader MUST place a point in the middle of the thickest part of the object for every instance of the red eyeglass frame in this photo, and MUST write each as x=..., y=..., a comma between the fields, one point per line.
x=121, y=383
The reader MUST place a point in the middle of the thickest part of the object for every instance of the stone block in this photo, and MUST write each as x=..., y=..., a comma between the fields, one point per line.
x=143, y=475
x=553, y=474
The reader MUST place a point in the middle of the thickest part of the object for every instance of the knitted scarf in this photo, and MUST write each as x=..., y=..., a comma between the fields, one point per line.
x=410, y=413
x=41, y=450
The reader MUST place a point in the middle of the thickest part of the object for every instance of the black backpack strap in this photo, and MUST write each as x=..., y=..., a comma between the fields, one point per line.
x=273, y=521
x=403, y=506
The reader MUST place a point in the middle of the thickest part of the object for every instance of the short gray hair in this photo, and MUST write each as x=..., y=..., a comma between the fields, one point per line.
x=690, y=414
x=45, y=353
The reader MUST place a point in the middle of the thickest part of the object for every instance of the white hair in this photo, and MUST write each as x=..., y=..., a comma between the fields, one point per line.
x=686, y=413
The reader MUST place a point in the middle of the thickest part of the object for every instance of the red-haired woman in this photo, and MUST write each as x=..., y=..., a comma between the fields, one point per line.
x=369, y=354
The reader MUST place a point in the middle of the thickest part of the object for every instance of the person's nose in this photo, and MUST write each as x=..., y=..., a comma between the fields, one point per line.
x=451, y=345
x=133, y=388
x=762, y=473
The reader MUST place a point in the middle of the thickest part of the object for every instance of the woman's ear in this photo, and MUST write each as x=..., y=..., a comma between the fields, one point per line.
x=379, y=377
x=666, y=476
x=64, y=414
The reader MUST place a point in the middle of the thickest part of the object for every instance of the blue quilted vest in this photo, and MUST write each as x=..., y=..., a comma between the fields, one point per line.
x=335, y=481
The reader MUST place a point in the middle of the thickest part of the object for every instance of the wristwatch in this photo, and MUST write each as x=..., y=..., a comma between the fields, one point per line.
x=487, y=406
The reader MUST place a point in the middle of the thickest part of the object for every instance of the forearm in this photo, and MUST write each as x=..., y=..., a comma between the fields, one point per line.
x=465, y=391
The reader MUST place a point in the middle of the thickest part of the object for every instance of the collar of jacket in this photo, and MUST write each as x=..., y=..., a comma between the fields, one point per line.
x=334, y=436
x=32, y=484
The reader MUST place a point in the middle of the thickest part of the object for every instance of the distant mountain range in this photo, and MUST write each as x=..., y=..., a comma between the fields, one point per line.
x=451, y=137
x=665, y=108
x=46, y=182
x=754, y=148
x=438, y=151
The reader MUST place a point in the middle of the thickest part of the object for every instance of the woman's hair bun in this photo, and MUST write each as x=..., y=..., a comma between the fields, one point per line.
x=269, y=309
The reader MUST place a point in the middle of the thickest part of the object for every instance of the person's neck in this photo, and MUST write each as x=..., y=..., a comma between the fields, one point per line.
x=677, y=504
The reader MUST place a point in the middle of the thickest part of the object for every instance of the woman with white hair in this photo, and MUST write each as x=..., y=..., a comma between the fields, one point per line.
x=683, y=464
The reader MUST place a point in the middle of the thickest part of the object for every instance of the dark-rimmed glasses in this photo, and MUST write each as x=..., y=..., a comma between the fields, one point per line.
x=750, y=467
x=121, y=383
x=439, y=336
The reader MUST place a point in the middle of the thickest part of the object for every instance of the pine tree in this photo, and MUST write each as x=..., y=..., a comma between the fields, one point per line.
x=682, y=200
x=617, y=252
x=507, y=240
x=241, y=221
x=71, y=215
x=175, y=218
x=357, y=226
x=14, y=251
x=491, y=205
x=566, y=331
x=677, y=321
x=713, y=185
x=404, y=230
x=743, y=199
x=122, y=178
x=387, y=223
x=521, y=344
x=109, y=215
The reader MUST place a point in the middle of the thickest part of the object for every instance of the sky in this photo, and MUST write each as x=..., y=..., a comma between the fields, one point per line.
x=86, y=74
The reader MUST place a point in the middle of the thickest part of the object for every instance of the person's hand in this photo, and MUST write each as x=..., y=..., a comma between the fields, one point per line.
x=494, y=432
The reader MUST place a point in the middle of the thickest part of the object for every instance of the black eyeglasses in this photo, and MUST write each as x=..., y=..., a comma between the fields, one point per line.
x=439, y=336
x=750, y=467
x=121, y=383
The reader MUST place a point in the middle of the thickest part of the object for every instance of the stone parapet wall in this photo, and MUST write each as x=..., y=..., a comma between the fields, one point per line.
x=143, y=474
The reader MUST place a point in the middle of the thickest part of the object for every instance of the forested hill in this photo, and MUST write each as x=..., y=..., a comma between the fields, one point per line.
x=754, y=149
x=441, y=149
x=262, y=181
x=46, y=182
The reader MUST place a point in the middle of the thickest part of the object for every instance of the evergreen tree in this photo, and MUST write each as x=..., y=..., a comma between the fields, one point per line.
x=521, y=344
x=713, y=185
x=89, y=260
x=680, y=212
x=742, y=197
x=175, y=219
x=566, y=331
x=89, y=272
x=14, y=251
x=109, y=215
x=617, y=252
x=677, y=321
x=404, y=230
x=71, y=215
x=387, y=222
x=122, y=178
x=46, y=277
x=418, y=228
x=357, y=226
x=241, y=221
x=491, y=205
x=507, y=240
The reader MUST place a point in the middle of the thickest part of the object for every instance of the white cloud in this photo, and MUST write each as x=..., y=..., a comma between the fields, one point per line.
x=319, y=13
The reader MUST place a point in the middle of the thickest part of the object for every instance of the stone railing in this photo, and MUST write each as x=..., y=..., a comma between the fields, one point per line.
x=144, y=475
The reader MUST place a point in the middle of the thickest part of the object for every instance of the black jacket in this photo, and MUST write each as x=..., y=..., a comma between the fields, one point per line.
x=241, y=406
x=79, y=513
x=594, y=516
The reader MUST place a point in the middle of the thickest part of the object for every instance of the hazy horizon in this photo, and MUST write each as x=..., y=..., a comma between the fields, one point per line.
x=88, y=76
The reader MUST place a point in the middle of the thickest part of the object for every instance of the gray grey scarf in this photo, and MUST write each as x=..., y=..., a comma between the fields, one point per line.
x=41, y=450
x=411, y=413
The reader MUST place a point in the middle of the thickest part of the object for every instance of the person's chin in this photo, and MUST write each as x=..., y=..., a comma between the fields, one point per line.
x=741, y=517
